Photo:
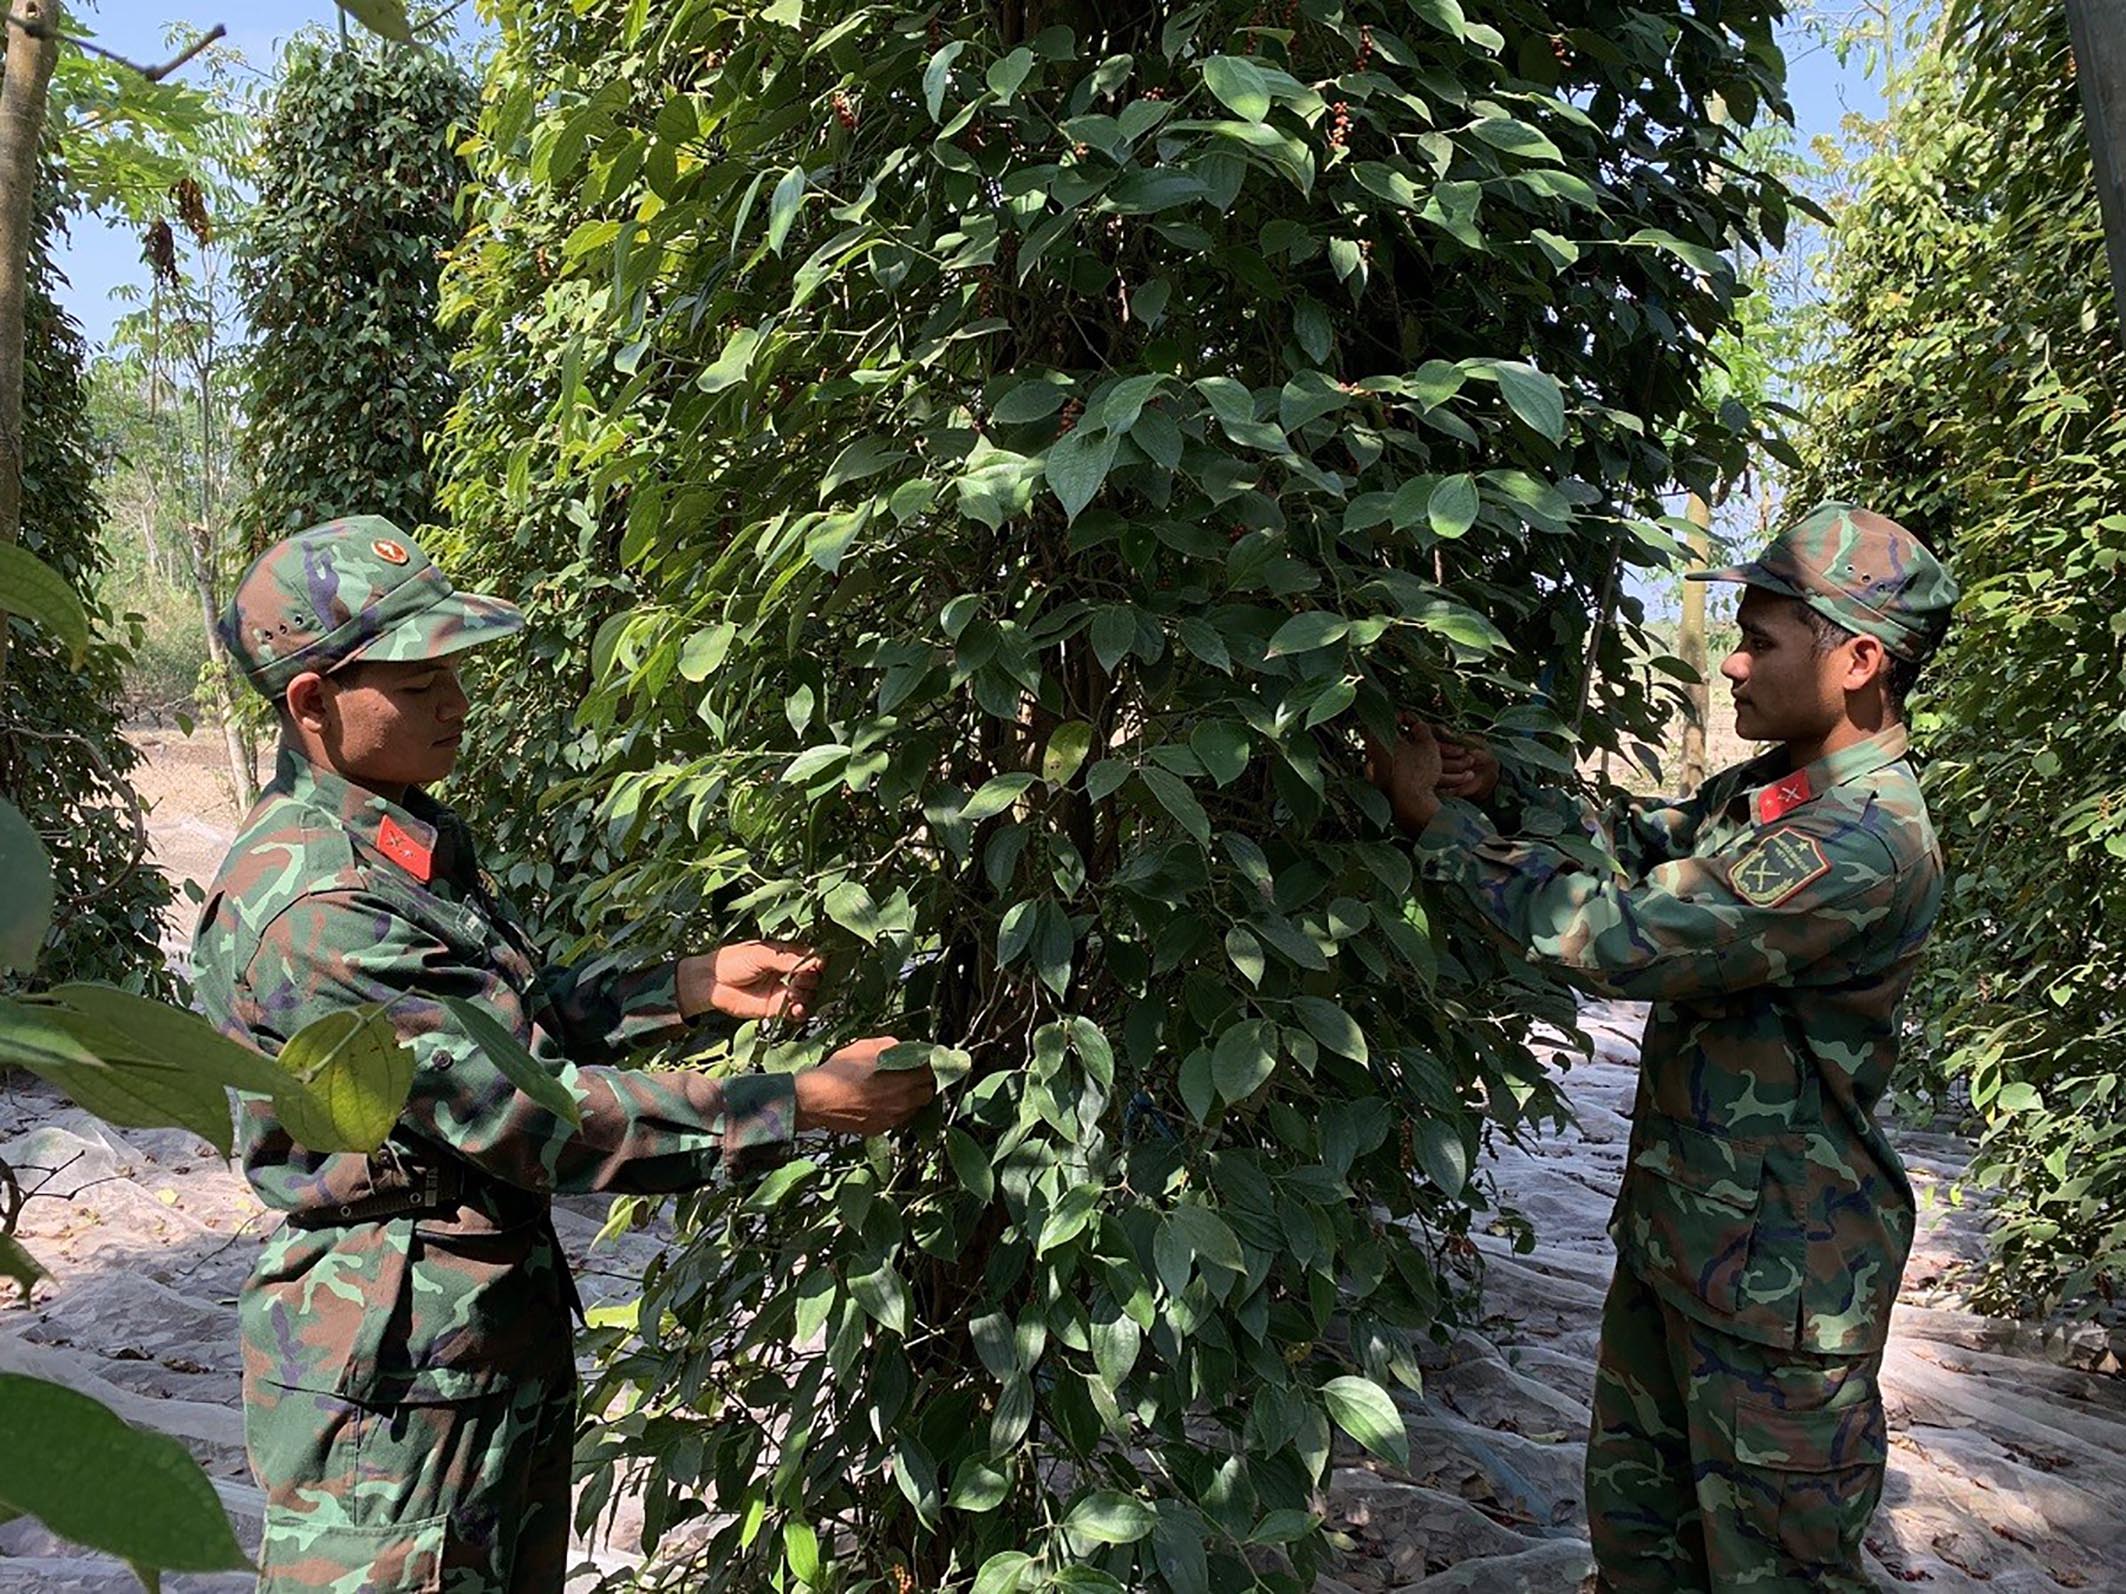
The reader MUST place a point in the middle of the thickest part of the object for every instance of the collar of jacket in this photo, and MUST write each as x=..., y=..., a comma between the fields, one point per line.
x=414, y=835
x=1777, y=798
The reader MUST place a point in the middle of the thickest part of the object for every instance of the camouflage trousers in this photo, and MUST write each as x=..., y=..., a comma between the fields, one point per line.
x=450, y=1497
x=1717, y=1465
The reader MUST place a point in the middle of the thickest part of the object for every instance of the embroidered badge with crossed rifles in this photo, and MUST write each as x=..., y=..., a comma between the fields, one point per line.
x=1777, y=867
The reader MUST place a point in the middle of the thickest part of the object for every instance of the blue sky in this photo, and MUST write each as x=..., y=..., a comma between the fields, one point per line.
x=100, y=258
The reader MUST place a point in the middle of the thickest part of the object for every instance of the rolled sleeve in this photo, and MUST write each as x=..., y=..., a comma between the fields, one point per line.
x=640, y=1132
x=605, y=1011
x=1690, y=927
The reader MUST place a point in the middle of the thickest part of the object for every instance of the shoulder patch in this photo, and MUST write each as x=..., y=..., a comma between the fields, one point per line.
x=404, y=850
x=1777, y=867
x=1781, y=798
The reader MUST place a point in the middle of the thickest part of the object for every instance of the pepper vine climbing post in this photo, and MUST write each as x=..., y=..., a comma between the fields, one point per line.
x=31, y=47
x=2098, y=29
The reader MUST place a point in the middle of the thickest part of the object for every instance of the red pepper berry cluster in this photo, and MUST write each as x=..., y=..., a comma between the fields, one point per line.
x=1340, y=125
x=1365, y=50
x=844, y=112
x=1072, y=411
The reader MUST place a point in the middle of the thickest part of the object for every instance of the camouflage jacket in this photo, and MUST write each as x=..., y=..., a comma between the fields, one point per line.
x=1773, y=921
x=332, y=896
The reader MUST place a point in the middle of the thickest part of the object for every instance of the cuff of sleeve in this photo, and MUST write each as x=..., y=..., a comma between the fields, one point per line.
x=1447, y=847
x=648, y=1000
x=653, y=995
x=759, y=1123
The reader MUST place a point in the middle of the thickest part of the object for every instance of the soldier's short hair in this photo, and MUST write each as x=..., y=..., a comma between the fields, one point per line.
x=1899, y=675
x=348, y=674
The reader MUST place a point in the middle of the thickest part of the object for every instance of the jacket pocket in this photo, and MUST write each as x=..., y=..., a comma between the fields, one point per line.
x=300, y=1555
x=1689, y=1212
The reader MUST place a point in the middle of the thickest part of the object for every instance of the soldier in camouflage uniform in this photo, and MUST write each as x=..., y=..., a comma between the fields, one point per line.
x=1773, y=920
x=409, y=1382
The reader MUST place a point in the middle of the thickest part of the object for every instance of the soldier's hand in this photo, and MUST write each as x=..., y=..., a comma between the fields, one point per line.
x=751, y=979
x=850, y=1094
x=1407, y=773
x=1467, y=768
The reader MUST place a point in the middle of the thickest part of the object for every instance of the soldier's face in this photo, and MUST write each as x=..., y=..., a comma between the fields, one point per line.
x=389, y=726
x=1784, y=690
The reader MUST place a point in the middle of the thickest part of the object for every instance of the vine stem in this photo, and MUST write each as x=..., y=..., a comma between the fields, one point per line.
x=124, y=788
x=1605, y=613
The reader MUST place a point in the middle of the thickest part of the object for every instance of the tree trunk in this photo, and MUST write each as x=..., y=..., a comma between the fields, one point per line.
x=156, y=571
x=241, y=771
x=204, y=536
x=1690, y=647
x=32, y=49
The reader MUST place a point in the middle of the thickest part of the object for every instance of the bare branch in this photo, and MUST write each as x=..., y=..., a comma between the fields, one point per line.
x=154, y=74
x=123, y=788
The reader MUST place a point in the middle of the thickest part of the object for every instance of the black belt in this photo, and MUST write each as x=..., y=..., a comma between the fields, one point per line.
x=436, y=1188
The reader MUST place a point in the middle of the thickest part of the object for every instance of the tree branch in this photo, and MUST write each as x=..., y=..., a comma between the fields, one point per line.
x=154, y=74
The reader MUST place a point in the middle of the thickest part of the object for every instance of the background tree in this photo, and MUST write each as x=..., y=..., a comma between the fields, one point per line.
x=997, y=457
x=65, y=762
x=151, y=462
x=188, y=354
x=1974, y=393
x=348, y=372
x=62, y=759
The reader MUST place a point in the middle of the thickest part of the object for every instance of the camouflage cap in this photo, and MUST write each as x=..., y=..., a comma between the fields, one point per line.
x=356, y=588
x=1861, y=570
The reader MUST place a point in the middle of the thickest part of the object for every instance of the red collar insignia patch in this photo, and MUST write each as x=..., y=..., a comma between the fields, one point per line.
x=1783, y=797
x=394, y=843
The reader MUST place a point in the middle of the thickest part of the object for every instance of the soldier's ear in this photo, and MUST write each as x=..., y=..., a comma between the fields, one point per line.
x=1866, y=659
x=304, y=703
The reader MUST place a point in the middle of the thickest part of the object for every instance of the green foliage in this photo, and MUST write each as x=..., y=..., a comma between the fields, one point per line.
x=1975, y=395
x=977, y=472
x=127, y=141
x=349, y=372
x=163, y=470
x=62, y=758
x=63, y=1453
x=168, y=647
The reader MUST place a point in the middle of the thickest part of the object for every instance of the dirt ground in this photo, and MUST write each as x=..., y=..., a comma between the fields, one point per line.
x=185, y=783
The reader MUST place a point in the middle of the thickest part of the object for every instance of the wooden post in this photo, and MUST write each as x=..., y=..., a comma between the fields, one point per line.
x=2098, y=31
x=31, y=49
x=1690, y=646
